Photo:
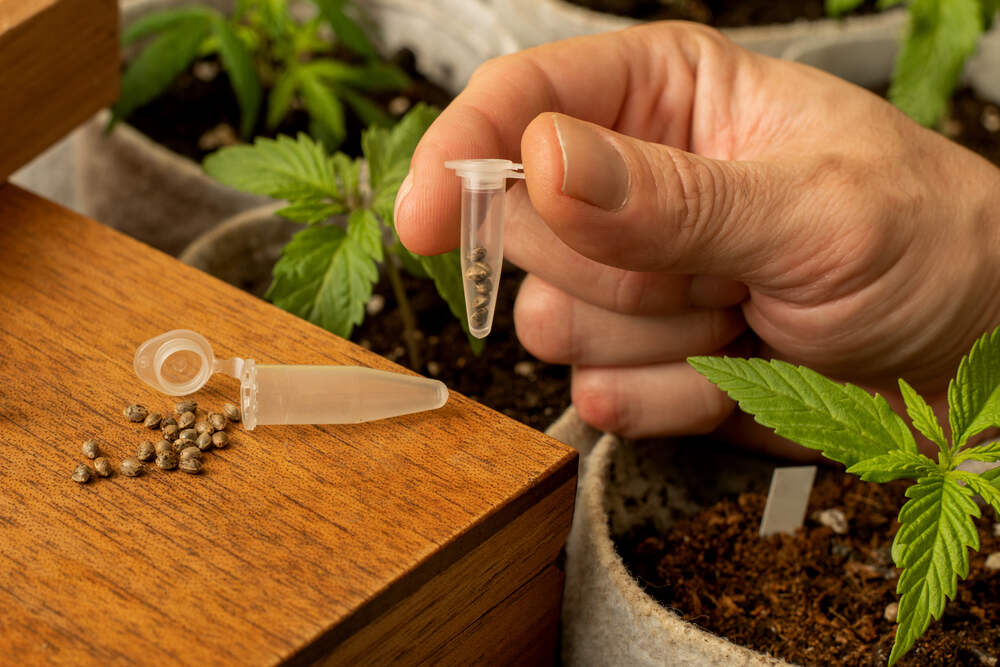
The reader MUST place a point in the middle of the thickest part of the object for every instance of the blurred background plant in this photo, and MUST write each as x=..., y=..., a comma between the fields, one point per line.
x=940, y=37
x=323, y=61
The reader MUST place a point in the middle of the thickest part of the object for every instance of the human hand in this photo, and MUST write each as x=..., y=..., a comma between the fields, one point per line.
x=680, y=188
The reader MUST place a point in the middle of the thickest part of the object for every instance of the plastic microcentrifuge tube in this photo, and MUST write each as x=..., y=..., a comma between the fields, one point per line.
x=484, y=183
x=180, y=362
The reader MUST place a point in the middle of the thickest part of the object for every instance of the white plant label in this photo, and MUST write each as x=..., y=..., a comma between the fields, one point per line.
x=785, y=509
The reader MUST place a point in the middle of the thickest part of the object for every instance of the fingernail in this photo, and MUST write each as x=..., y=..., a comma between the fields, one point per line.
x=404, y=189
x=593, y=169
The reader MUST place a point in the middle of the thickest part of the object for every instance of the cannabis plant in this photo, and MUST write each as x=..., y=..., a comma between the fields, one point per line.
x=328, y=270
x=262, y=47
x=940, y=37
x=859, y=430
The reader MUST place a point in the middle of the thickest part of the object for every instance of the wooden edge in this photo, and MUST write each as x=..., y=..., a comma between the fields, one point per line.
x=58, y=66
x=458, y=593
x=535, y=607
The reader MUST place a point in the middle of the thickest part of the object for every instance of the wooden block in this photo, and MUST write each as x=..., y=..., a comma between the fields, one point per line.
x=398, y=540
x=59, y=65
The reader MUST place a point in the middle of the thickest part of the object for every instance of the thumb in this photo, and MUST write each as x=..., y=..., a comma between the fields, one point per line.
x=648, y=207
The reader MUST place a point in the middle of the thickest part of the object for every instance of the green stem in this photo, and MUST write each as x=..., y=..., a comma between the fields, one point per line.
x=410, y=333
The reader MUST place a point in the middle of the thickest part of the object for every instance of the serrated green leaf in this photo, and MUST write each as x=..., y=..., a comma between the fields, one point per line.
x=149, y=74
x=279, y=101
x=348, y=32
x=840, y=7
x=842, y=421
x=325, y=110
x=980, y=487
x=284, y=168
x=366, y=231
x=988, y=453
x=939, y=38
x=388, y=151
x=922, y=415
x=373, y=77
x=326, y=275
x=311, y=211
x=166, y=19
x=936, y=531
x=974, y=394
x=242, y=75
x=347, y=173
x=897, y=464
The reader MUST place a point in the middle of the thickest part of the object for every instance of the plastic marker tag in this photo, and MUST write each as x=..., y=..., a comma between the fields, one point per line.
x=785, y=509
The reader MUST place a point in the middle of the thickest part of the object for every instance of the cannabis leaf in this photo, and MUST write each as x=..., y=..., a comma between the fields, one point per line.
x=842, y=421
x=941, y=35
x=242, y=75
x=922, y=415
x=974, y=394
x=841, y=7
x=326, y=275
x=931, y=547
x=859, y=430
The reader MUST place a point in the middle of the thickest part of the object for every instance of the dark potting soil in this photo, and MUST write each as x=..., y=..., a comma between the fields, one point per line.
x=719, y=13
x=192, y=107
x=975, y=123
x=816, y=597
x=504, y=377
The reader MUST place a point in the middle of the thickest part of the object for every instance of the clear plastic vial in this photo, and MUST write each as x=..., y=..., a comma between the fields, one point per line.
x=484, y=184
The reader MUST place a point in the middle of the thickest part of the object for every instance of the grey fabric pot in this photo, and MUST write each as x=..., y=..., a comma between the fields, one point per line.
x=867, y=59
x=539, y=21
x=607, y=618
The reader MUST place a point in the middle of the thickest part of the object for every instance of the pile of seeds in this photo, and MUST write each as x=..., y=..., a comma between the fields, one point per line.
x=479, y=273
x=183, y=441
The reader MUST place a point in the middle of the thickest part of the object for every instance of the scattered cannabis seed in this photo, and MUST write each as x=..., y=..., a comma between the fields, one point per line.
x=218, y=421
x=477, y=253
x=130, y=468
x=480, y=301
x=188, y=434
x=153, y=420
x=483, y=287
x=170, y=432
x=90, y=449
x=220, y=439
x=186, y=420
x=186, y=406
x=204, y=427
x=135, y=413
x=103, y=466
x=145, y=451
x=81, y=474
x=191, y=453
x=163, y=446
x=168, y=421
x=204, y=441
x=167, y=460
x=479, y=317
x=191, y=465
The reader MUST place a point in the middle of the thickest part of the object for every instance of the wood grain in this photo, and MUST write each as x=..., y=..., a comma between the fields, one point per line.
x=59, y=65
x=394, y=538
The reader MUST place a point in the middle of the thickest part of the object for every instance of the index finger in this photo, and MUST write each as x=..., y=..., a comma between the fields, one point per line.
x=611, y=79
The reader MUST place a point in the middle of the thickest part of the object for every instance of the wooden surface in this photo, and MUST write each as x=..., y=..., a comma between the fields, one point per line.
x=58, y=66
x=430, y=536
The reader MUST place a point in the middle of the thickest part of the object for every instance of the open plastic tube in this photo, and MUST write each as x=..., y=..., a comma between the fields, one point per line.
x=181, y=361
x=484, y=183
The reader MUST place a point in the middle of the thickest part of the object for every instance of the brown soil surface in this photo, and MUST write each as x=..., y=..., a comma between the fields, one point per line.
x=975, y=123
x=816, y=597
x=719, y=13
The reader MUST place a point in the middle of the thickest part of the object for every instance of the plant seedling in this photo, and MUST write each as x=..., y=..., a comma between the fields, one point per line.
x=326, y=272
x=850, y=426
x=940, y=37
x=262, y=47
